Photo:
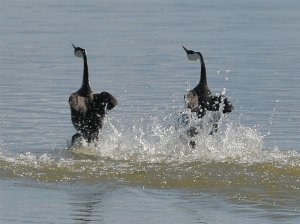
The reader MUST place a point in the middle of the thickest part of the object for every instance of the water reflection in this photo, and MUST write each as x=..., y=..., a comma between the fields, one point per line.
x=87, y=204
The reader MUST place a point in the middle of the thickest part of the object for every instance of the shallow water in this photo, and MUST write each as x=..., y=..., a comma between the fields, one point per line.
x=143, y=171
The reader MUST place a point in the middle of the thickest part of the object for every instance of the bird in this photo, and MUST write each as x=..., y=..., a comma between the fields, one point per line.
x=87, y=107
x=200, y=99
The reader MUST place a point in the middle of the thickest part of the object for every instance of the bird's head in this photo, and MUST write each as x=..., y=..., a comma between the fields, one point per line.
x=192, y=55
x=78, y=51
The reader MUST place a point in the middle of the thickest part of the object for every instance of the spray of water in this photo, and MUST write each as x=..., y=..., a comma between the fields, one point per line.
x=164, y=140
x=155, y=150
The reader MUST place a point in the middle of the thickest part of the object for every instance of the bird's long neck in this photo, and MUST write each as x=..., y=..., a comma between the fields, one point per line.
x=85, y=87
x=203, y=80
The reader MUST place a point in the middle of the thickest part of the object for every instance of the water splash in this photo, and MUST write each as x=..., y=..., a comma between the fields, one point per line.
x=165, y=141
x=155, y=151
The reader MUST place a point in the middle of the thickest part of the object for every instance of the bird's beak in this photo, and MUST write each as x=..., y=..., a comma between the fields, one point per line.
x=73, y=46
x=186, y=50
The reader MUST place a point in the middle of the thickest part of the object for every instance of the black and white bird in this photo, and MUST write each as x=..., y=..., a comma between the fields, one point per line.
x=88, y=108
x=200, y=99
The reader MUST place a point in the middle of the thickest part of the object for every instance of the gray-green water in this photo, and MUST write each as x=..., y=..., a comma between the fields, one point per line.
x=142, y=171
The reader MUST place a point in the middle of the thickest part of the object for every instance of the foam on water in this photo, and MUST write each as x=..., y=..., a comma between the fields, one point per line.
x=155, y=151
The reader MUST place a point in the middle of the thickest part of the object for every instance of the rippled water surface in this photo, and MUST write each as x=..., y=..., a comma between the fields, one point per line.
x=143, y=170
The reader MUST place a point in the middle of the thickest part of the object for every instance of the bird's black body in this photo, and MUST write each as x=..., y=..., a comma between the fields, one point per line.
x=88, y=108
x=200, y=99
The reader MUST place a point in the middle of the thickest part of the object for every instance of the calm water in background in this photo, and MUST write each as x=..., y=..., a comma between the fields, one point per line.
x=142, y=172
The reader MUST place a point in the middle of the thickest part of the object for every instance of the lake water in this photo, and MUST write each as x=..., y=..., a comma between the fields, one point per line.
x=143, y=171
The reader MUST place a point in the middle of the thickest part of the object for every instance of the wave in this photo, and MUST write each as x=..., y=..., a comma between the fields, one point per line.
x=156, y=153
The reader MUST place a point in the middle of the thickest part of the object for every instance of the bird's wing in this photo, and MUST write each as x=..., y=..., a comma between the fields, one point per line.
x=217, y=102
x=228, y=107
x=104, y=99
x=78, y=103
